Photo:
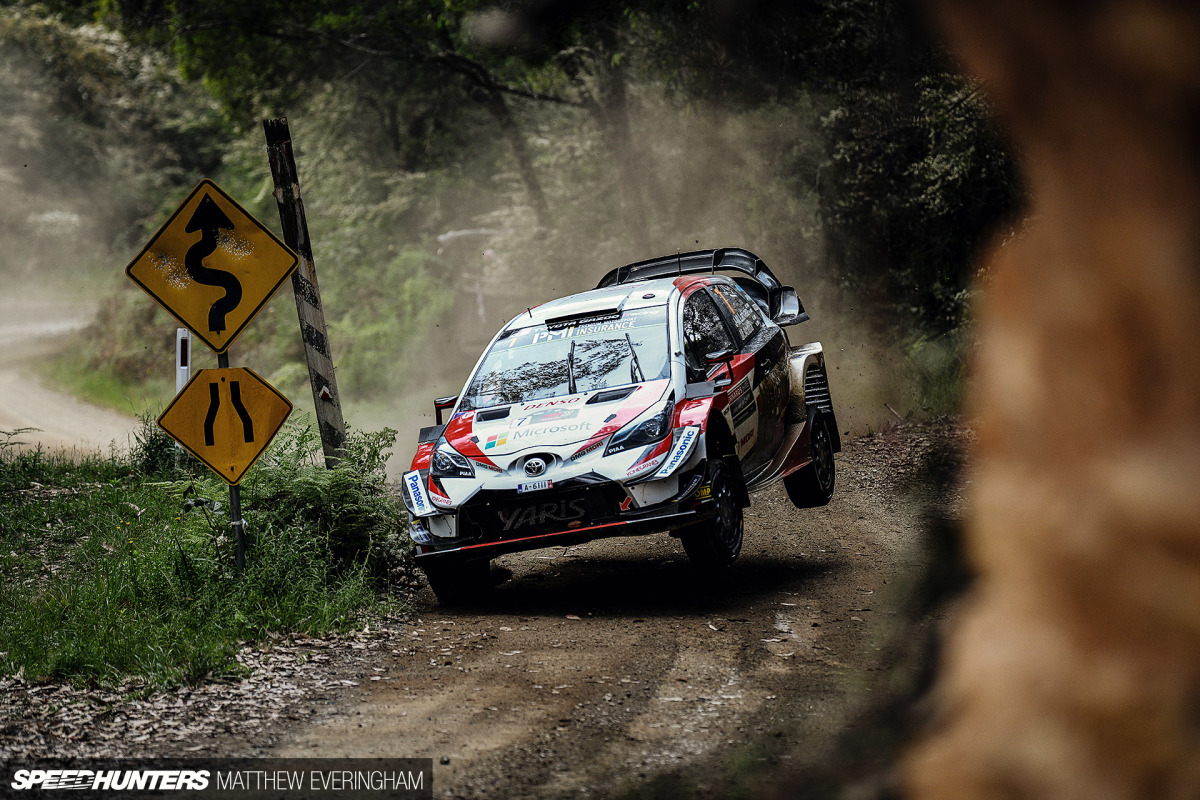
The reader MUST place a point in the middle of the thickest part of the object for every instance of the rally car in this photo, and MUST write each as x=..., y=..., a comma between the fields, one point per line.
x=655, y=402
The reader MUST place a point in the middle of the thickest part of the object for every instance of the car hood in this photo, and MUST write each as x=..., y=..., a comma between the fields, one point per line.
x=581, y=419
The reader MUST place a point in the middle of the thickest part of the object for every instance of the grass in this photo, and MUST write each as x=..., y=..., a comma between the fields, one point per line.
x=69, y=372
x=124, y=566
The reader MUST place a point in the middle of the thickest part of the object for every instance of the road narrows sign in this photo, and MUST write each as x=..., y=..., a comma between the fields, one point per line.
x=212, y=265
x=226, y=418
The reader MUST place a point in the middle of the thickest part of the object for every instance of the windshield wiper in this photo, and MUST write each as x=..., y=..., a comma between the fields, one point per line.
x=571, y=369
x=635, y=367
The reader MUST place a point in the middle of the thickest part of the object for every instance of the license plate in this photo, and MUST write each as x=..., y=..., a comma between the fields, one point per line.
x=533, y=486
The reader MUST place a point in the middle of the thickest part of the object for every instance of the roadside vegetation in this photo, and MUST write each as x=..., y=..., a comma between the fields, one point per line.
x=123, y=565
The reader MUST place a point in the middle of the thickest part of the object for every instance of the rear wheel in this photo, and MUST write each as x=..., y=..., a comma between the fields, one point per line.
x=717, y=542
x=812, y=486
x=458, y=582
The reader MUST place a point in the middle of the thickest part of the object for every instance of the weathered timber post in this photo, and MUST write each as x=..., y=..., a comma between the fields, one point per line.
x=308, y=294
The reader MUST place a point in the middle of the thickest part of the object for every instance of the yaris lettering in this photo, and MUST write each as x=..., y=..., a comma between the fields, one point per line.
x=562, y=511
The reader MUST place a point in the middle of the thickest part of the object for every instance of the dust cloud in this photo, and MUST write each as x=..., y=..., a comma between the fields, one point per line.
x=712, y=179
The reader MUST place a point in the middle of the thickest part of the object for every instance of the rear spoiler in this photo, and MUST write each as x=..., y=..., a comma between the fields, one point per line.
x=779, y=297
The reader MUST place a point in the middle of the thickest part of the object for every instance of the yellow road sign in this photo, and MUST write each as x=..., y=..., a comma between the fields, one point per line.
x=226, y=418
x=213, y=266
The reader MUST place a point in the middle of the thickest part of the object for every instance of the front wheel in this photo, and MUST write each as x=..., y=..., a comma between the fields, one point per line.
x=458, y=582
x=718, y=542
x=812, y=486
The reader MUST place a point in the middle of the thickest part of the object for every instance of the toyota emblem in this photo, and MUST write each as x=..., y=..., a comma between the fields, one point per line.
x=535, y=467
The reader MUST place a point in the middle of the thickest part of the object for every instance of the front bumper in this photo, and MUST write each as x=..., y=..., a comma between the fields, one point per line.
x=495, y=523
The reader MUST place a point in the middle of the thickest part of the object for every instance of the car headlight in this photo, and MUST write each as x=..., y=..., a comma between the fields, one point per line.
x=449, y=463
x=643, y=431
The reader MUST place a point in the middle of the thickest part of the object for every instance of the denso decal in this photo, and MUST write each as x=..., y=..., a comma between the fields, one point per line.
x=679, y=455
x=552, y=429
x=414, y=492
x=562, y=511
x=566, y=401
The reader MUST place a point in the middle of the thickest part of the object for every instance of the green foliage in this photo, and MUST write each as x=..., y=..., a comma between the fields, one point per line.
x=112, y=573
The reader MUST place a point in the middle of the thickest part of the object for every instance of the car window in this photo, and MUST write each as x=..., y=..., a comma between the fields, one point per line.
x=704, y=331
x=746, y=318
x=538, y=362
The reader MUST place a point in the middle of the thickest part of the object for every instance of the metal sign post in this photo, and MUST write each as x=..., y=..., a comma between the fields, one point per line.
x=183, y=371
x=236, y=523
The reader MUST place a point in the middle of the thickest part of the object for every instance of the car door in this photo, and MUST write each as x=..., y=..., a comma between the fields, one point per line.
x=766, y=344
x=706, y=330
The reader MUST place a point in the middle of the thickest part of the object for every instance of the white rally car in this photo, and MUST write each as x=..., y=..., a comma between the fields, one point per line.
x=655, y=402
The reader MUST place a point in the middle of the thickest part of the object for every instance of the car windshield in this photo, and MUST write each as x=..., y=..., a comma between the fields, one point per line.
x=538, y=362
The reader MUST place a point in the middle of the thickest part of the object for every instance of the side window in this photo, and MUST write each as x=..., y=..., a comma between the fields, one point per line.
x=704, y=331
x=745, y=316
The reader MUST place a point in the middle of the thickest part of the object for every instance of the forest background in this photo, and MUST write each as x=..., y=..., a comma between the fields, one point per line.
x=462, y=160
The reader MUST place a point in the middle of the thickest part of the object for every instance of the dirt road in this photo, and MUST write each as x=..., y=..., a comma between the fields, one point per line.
x=602, y=668
x=32, y=328
x=605, y=670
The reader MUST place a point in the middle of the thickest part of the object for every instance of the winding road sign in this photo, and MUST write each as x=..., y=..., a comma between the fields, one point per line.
x=226, y=418
x=212, y=265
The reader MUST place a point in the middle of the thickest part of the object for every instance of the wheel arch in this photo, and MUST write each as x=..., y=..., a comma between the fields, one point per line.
x=720, y=444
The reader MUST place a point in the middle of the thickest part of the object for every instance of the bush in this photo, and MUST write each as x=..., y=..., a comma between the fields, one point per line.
x=111, y=573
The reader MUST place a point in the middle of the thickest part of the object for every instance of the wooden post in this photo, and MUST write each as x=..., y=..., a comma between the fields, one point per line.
x=308, y=294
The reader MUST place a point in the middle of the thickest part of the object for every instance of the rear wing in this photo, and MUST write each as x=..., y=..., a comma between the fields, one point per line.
x=781, y=302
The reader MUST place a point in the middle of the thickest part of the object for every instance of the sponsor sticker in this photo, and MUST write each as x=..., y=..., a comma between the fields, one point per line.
x=550, y=430
x=704, y=492
x=437, y=497
x=495, y=440
x=548, y=415
x=533, y=486
x=591, y=448
x=638, y=469
x=414, y=492
x=419, y=533
x=681, y=451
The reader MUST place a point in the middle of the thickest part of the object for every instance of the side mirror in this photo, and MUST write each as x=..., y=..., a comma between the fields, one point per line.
x=722, y=356
x=791, y=311
x=719, y=356
x=443, y=404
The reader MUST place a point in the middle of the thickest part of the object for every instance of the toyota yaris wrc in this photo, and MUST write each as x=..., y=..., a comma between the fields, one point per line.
x=654, y=403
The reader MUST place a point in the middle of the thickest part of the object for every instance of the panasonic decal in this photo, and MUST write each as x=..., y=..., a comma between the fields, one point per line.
x=414, y=493
x=683, y=448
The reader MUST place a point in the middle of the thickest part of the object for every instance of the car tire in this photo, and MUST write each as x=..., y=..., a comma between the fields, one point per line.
x=717, y=542
x=812, y=486
x=458, y=583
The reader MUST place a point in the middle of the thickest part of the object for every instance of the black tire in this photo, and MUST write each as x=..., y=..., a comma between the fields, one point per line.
x=458, y=583
x=717, y=542
x=812, y=486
